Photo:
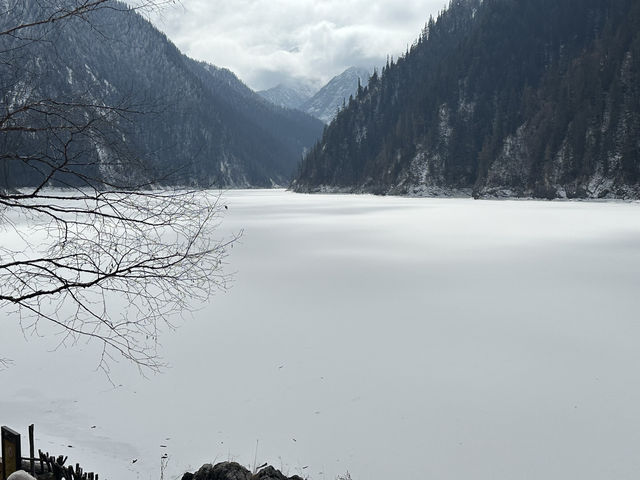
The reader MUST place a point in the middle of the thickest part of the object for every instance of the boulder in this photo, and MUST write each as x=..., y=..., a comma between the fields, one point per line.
x=270, y=473
x=222, y=471
x=235, y=471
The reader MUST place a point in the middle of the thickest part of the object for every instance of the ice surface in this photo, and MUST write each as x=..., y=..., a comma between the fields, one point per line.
x=391, y=337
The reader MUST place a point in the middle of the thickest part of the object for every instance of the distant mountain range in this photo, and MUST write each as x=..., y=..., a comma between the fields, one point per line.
x=515, y=98
x=199, y=124
x=323, y=104
x=291, y=94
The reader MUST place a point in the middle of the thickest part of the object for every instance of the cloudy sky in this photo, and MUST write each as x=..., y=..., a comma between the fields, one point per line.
x=266, y=42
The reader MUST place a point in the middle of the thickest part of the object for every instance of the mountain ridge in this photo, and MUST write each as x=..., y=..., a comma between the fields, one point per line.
x=288, y=95
x=190, y=123
x=325, y=103
x=497, y=98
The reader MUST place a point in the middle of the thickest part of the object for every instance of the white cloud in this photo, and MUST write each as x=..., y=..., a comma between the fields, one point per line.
x=266, y=41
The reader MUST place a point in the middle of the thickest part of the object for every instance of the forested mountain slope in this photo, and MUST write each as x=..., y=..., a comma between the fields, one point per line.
x=497, y=98
x=177, y=121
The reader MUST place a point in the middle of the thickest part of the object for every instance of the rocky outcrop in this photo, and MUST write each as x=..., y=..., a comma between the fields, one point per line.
x=235, y=471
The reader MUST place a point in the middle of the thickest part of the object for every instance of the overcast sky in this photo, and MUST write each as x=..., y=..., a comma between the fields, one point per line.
x=267, y=41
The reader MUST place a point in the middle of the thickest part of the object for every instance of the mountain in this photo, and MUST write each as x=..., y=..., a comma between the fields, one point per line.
x=518, y=98
x=181, y=121
x=288, y=95
x=325, y=104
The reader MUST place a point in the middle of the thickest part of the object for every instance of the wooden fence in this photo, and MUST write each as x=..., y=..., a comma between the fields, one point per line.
x=44, y=467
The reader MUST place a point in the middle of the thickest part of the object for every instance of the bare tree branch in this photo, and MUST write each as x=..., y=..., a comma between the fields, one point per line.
x=5, y=363
x=60, y=10
x=109, y=256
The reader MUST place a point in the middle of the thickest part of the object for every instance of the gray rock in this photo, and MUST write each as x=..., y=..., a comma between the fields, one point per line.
x=222, y=471
x=270, y=473
x=235, y=471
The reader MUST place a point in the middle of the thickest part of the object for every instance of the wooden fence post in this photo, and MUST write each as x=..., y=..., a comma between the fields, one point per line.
x=32, y=460
x=11, y=452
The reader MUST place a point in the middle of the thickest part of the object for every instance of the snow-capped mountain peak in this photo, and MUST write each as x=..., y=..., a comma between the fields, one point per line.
x=325, y=104
x=289, y=94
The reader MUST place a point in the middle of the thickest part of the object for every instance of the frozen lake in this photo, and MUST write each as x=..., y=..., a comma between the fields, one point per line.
x=390, y=337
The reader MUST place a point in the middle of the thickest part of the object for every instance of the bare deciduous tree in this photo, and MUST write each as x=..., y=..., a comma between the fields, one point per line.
x=106, y=255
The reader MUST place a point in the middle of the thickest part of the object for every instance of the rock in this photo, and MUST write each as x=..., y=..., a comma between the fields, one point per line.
x=235, y=471
x=270, y=473
x=222, y=471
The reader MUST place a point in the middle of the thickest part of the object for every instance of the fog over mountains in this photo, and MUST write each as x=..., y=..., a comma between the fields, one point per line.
x=497, y=98
x=181, y=121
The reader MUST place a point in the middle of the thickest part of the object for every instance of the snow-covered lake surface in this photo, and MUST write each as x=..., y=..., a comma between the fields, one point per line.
x=391, y=337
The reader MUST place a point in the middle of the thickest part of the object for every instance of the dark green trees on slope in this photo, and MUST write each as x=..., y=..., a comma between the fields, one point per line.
x=107, y=91
x=497, y=98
